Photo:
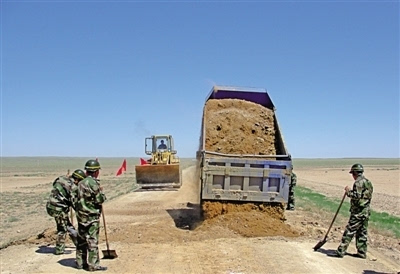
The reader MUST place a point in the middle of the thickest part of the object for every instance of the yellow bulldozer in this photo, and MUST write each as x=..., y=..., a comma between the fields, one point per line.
x=163, y=168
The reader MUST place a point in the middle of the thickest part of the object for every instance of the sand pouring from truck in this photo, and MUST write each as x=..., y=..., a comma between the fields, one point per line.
x=163, y=169
x=242, y=155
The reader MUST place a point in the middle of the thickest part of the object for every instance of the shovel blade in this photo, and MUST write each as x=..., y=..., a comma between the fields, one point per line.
x=319, y=244
x=109, y=254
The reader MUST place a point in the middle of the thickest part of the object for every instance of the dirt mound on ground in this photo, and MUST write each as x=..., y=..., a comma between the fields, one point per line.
x=239, y=127
x=216, y=208
x=252, y=224
x=47, y=237
x=248, y=220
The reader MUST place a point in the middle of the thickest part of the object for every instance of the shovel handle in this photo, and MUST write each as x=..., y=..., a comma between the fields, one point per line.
x=334, y=218
x=105, y=228
x=72, y=216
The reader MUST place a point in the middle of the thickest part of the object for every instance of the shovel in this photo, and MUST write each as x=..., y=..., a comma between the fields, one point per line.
x=322, y=242
x=107, y=254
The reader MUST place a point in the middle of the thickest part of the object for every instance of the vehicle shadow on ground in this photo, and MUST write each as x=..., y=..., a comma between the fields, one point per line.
x=186, y=218
x=156, y=189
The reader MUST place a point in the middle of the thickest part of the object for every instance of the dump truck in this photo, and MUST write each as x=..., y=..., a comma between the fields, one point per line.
x=163, y=169
x=242, y=155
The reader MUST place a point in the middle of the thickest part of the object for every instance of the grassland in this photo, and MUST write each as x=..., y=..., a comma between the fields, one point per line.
x=26, y=184
x=39, y=165
x=313, y=201
x=345, y=162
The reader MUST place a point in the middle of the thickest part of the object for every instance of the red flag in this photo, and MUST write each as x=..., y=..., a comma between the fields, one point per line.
x=143, y=162
x=122, y=168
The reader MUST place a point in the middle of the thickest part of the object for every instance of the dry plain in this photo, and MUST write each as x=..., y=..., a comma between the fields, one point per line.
x=161, y=231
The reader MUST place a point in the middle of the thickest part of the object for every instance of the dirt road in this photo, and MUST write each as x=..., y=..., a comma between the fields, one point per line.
x=160, y=232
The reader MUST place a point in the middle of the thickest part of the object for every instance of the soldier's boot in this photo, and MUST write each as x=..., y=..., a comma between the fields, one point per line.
x=97, y=268
x=361, y=255
x=60, y=242
x=80, y=259
x=290, y=206
x=82, y=266
x=59, y=250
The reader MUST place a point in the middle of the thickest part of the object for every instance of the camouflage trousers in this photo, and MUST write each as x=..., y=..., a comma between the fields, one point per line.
x=291, y=200
x=87, y=250
x=64, y=226
x=357, y=225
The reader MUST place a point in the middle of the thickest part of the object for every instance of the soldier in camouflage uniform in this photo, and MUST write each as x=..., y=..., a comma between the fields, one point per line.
x=293, y=181
x=88, y=209
x=58, y=206
x=360, y=196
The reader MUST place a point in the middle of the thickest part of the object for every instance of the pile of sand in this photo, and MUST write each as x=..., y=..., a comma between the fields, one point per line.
x=235, y=126
x=47, y=237
x=248, y=219
x=212, y=209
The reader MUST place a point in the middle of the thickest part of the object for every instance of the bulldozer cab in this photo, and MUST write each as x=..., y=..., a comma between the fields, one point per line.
x=163, y=169
x=159, y=143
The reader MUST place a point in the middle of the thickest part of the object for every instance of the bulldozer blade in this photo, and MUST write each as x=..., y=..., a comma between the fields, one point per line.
x=319, y=244
x=109, y=254
x=148, y=176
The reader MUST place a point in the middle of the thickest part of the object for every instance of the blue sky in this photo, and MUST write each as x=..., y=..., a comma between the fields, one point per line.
x=94, y=78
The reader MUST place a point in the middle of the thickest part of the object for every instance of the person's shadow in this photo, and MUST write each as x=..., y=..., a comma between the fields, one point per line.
x=332, y=251
x=325, y=251
x=374, y=272
x=43, y=249
x=70, y=262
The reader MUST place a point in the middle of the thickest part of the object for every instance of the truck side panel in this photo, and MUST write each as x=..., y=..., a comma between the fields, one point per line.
x=245, y=180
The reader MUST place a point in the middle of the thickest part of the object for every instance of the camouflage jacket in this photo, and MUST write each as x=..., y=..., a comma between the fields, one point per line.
x=360, y=195
x=89, y=200
x=60, y=198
